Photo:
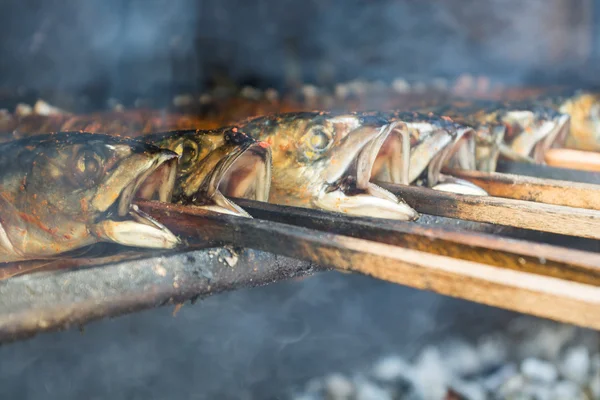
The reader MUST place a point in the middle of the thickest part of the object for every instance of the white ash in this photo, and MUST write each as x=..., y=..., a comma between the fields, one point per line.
x=22, y=110
x=183, y=100
x=271, y=94
x=539, y=370
x=310, y=92
x=337, y=386
x=575, y=364
x=251, y=93
x=401, y=85
x=43, y=108
x=530, y=359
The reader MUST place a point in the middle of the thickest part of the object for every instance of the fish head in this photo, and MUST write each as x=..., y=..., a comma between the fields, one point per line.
x=324, y=161
x=532, y=129
x=420, y=145
x=217, y=164
x=488, y=141
x=584, y=110
x=66, y=190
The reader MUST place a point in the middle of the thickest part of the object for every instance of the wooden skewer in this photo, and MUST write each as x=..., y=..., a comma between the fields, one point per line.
x=526, y=292
x=549, y=191
x=543, y=259
x=518, y=213
x=573, y=159
x=548, y=172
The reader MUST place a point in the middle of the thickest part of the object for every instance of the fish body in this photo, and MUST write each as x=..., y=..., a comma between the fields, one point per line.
x=324, y=161
x=63, y=191
x=520, y=130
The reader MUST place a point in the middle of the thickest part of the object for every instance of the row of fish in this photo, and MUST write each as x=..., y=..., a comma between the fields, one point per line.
x=63, y=191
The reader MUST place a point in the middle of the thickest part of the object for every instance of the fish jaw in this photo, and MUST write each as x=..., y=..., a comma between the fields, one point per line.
x=458, y=186
x=368, y=204
x=556, y=137
x=141, y=231
x=424, y=154
x=234, y=170
x=488, y=141
x=462, y=154
x=130, y=226
x=537, y=133
x=393, y=161
x=348, y=189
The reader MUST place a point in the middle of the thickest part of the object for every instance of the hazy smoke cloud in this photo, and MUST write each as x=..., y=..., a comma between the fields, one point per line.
x=134, y=46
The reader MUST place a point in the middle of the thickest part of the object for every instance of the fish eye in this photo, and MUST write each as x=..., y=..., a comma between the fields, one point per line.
x=318, y=140
x=88, y=167
x=188, y=149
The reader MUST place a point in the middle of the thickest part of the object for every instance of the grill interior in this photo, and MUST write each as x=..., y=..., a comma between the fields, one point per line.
x=210, y=58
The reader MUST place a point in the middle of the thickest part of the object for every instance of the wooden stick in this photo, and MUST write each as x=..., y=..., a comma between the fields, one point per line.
x=525, y=292
x=543, y=259
x=548, y=172
x=518, y=213
x=573, y=159
x=549, y=191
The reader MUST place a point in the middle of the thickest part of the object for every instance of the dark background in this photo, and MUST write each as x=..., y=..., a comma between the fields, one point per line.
x=117, y=47
x=255, y=343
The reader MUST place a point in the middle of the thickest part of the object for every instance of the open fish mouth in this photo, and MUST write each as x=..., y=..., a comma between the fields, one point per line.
x=537, y=136
x=459, y=154
x=123, y=222
x=245, y=174
x=348, y=188
x=398, y=162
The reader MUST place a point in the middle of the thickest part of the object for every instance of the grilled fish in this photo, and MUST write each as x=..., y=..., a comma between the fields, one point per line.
x=60, y=192
x=214, y=164
x=324, y=161
x=421, y=144
x=519, y=131
x=584, y=109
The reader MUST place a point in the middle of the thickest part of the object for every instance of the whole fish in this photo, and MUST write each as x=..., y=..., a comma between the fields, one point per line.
x=527, y=129
x=420, y=146
x=324, y=161
x=63, y=191
x=213, y=164
x=216, y=164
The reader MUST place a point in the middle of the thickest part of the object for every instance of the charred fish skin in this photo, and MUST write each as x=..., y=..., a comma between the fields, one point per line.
x=216, y=164
x=324, y=161
x=63, y=191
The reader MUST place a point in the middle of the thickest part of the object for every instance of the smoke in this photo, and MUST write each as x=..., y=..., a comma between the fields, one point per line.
x=134, y=46
x=249, y=344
